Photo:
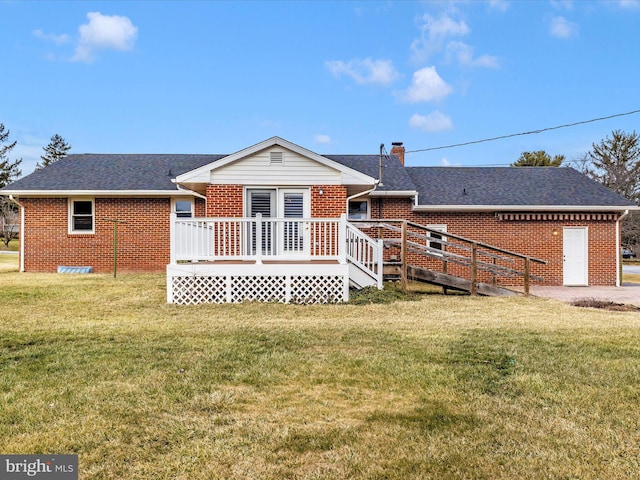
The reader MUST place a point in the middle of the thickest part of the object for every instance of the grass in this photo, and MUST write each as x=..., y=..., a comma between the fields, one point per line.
x=437, y=387
x=14, y=245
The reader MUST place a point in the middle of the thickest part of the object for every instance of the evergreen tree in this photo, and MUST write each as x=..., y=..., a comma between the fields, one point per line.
x=539, y=158
x=56, y=150
x=9, y=170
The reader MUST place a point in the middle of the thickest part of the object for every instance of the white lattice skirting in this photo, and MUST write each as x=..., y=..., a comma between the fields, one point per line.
x=190, y=284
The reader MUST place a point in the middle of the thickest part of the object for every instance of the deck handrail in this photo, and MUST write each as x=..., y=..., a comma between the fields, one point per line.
x=476, y=249
x=254, y=238
x=365, y=252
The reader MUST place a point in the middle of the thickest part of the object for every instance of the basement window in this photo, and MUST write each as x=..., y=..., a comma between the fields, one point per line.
x=81, y=216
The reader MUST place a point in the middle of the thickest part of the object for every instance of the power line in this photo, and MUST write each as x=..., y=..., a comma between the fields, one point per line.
x=523, y=133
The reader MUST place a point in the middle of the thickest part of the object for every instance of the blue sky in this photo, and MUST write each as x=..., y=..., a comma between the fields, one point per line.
x=334, y=77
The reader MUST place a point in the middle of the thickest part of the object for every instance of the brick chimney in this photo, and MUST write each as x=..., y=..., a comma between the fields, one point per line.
x=398, y=150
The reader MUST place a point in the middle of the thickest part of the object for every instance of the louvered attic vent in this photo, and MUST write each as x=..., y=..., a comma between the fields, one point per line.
x=277, y=157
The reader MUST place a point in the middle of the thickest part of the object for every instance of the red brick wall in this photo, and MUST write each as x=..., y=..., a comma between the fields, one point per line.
x=224, y=201
x=534, y=238
x=227, y=201
x=332, y=203
x=143, y=242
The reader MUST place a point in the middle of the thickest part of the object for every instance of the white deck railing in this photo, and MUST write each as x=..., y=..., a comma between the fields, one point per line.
x=257, y=239
x=279, y=239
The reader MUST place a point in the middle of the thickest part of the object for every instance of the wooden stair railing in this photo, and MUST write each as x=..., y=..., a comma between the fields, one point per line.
x=477, y=257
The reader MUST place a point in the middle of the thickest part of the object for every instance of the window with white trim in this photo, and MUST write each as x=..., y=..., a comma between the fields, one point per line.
x=434, y=240
x=81, y=215
x=358, y=209
x=183, y=208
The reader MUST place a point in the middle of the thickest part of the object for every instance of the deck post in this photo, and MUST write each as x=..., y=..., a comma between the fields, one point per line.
x=342, y=239
x=403, y=256
x=527, y=272
x=474, y=268
x=258, y=238
x=172, y=238
x=380, y=264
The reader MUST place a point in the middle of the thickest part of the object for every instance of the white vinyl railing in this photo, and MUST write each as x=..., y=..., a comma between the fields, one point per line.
x=365, y=252
x=258, y=238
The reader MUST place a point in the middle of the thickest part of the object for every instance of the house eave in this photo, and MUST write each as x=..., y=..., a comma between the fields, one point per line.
x=523, y=208
x=96, y=193
x=393, y=193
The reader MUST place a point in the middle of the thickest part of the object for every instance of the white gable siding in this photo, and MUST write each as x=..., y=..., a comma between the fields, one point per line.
x=257, y=169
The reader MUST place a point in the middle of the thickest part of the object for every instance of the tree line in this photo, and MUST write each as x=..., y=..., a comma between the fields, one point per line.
x=56, y=150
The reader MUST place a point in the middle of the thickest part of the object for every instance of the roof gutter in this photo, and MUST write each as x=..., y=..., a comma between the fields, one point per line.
x=523, y=208
x=360, y=195
x=95, y=193
x=22, y=216
x=191, y=192
x=394, y=193
x=618, y=249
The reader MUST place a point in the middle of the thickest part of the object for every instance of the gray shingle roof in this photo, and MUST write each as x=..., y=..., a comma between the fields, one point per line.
x=461, y=186
x=112, y=172
x=394, y=174
x=510, y=186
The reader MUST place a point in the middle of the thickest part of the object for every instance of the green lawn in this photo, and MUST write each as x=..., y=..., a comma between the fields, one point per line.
x=439, y=387
x=14, y=245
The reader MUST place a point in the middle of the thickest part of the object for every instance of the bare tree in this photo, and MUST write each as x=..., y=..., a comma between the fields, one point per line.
x=615, y=162
x=8, y=221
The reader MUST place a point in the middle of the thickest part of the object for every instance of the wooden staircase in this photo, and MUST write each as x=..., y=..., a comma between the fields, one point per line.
x=450, y=261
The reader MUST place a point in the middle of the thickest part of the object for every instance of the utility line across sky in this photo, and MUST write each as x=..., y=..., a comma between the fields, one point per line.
x=501, y=137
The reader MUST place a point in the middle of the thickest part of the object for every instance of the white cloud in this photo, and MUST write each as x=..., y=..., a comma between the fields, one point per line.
x=320, y=138
x=104, y=32
x=562, y=28
x=439, y=35
x=427, y=86
x=436, y=121
x=434, y=34
x=444, y=162
x=365, y=71
x=463, y=53
x=629, y=4
x=562, y=5
x=499, y=5
x=57, y=39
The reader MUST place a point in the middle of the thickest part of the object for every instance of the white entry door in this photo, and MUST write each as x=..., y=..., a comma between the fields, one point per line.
x=575, y=256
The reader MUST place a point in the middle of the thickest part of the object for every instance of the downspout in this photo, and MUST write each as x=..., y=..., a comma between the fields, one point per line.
x=22, y=215
x=618, y=252
x=359, y=195
x=195, y=194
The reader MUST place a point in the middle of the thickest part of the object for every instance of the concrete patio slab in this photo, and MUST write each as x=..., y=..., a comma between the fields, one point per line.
x=628, y=293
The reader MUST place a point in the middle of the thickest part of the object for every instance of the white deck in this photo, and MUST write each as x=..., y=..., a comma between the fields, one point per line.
x=290, y=260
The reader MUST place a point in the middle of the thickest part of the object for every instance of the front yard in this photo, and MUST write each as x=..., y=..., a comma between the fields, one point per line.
x=439, y=387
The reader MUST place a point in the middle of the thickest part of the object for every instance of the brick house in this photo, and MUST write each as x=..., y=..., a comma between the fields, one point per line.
x=276, y=220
